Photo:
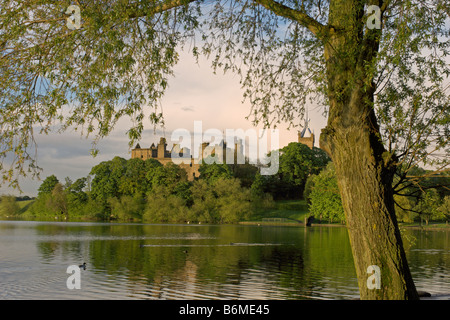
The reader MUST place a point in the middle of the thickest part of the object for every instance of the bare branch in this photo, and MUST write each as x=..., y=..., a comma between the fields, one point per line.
x=318, y=29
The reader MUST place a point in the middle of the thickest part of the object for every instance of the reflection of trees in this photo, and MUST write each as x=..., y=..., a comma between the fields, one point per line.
x=306, y=261
x=430, y=252
x=429, y=259
x=330, y=260
x=61, y=239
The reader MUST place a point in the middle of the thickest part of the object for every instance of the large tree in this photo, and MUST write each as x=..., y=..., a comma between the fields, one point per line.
x=298, y=161
x=382, y=85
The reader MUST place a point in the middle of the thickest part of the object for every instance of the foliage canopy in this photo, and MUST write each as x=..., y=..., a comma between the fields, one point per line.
x=118, y=64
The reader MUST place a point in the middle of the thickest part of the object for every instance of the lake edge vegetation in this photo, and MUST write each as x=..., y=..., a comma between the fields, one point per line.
x=146, y=191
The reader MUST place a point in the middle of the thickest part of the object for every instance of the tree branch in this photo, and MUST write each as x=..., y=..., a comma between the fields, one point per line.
x=158, y=8
x=318, y=29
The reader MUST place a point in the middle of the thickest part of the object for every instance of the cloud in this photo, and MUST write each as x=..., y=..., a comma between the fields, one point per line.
x=188, y=109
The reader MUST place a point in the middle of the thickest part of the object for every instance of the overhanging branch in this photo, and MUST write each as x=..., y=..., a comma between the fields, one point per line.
x=318, y=29
x=158, y=8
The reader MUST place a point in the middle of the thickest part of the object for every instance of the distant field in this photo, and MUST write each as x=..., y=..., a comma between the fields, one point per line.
x=24, y=205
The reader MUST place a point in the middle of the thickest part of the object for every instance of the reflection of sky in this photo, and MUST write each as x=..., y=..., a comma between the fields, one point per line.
x=194, y=94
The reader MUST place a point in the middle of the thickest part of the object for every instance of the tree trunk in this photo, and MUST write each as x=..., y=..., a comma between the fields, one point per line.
x=363, y=167
x=365, y=173
x=365, y=187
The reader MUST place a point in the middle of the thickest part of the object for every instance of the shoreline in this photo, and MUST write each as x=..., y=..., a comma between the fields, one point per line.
x=293, y=224
x=430, y=227
x=425, y=228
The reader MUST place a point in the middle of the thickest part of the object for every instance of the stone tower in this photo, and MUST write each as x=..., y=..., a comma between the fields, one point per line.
x=302, y=135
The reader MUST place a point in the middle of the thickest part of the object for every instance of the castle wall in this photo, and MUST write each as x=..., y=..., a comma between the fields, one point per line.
x=309, y=141
x=163, y=156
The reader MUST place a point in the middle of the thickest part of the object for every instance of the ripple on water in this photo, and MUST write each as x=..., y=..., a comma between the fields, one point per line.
x=258, y=264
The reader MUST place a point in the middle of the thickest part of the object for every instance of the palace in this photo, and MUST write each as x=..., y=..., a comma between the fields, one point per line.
x=190, y=164
x=309, y=141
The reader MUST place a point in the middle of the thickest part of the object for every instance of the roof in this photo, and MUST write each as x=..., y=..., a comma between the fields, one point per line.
x=302, y=134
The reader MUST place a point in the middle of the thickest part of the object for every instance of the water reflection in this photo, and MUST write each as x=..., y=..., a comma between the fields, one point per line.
x=140, y=261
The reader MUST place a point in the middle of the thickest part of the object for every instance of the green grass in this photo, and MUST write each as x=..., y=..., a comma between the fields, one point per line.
x=431, y=224
x=288, y=209
x=24, y=205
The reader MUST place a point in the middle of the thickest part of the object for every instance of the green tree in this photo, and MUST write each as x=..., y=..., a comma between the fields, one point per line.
x=78, y=186
x=93, y=209
x=297, y=162
x=404, y=208
x=258, y=186
x=444, y=208
x=8, y=206
x=245, y=172
x=135, y=181
x=57, y=202
x=377, y=82
x=127, y=207
x=272, y=185
x=214, y=171
x=107, y=178
x=204, y=206
x=233, y=201
x=164, y=206
x=76, y=196
x=168, y=175
x=48, y=185
x=309, y=185
x=183, y=190
x=428, y=205
x=325, y=197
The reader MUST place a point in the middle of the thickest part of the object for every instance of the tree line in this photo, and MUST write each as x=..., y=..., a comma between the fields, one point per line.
x=146, y=190
x=427, y=199
x=141, y=190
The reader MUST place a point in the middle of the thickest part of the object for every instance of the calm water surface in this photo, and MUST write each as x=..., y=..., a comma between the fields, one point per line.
x=142, y=261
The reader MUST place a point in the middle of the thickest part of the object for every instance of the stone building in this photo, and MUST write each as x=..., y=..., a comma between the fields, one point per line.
x=185, y=159
x=303, y=138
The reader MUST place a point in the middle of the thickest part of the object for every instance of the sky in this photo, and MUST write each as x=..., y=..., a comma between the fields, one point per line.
x=195, y=93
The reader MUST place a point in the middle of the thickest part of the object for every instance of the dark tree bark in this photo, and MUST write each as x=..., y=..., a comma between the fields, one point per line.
x=363, y=167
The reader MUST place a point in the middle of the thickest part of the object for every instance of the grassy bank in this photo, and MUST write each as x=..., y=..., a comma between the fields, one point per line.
x=283, y=212
x=429, y=226
x=24, y=205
